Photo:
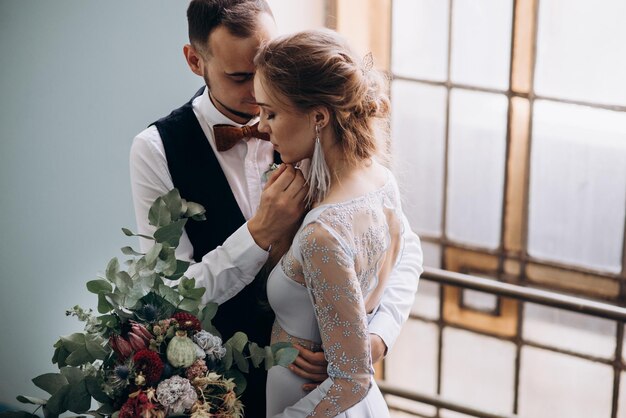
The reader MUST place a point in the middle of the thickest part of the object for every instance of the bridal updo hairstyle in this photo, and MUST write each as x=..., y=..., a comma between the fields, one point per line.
x=317, y=67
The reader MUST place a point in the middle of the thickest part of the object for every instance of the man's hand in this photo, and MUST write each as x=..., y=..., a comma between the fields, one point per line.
x=281, y=208
x=311, y=366
x=378, y=348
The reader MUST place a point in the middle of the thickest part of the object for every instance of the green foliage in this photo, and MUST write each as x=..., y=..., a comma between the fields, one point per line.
x=123, y=292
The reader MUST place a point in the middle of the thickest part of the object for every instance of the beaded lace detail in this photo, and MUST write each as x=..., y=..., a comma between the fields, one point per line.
x=343, y=255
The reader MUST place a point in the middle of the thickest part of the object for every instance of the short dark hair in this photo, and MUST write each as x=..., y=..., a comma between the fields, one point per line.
x=204, y=16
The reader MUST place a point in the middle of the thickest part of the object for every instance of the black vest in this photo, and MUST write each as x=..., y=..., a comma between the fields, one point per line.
x=196, y=173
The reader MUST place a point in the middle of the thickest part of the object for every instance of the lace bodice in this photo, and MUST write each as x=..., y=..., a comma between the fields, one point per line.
x=328, y=282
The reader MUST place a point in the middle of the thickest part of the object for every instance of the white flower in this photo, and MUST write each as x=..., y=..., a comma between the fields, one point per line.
x=176, y=394
x=211, y=344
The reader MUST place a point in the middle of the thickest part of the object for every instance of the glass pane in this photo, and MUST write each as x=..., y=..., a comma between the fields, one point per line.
x=621, y=406
x=418, y=130
x=479, y=301
x=420, y=39
x=578, y=185
x=580, y=64
x=577, y=388
x=569, y=331
x=476, y=167
x=432, y=254
x=481, y=42
x=412, y=364
x=478, y=371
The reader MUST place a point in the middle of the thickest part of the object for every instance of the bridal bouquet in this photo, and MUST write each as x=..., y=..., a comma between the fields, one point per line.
x=151, y=351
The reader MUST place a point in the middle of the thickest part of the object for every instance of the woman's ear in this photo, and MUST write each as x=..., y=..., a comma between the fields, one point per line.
x=321, y=116
x=194, y=60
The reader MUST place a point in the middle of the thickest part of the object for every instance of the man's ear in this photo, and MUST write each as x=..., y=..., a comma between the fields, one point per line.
x=321, y=116
x=194, y=59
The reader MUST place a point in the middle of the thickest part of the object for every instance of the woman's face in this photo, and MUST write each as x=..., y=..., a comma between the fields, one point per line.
x=291, y=131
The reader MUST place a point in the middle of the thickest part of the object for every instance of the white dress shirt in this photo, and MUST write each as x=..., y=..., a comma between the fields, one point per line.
x=230, y=267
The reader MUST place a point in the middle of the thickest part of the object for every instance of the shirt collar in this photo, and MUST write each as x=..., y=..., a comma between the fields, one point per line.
x=207, y=110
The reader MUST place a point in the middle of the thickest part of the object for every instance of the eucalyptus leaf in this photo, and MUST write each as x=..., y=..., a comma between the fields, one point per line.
x=152, y=255
x=78, y=398
x=104, y=305
x=99, y=286
x=169, y=294
x=74, y=341
x=94, y=387
x=108, y=321
x=257, y=354
x=181, y=268
x=238, y=341
x=72, y=374
x=166, y=263
x=174, y=203
x=277, y=346
x=130, y=233
x=130, y=251
x=123, y=281
x=241, y=361
x=209, y=311
x=189, y=305
x=79, y=357
x=228, y=357
x=31, y=400
x=191, y=292
x=57, y=404
x=195, y=211
x=170, y=233
x=285, y=356
x=269, y=358
x=60, y=354
x=95, y=348
x=112, y=268
x=159, y=214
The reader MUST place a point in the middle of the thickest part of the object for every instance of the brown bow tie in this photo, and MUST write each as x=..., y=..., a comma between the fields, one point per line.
x=226, y=136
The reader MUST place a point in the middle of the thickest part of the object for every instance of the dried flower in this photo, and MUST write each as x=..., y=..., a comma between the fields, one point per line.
x=197, y=369
x=187, y=322
x=211, y=344
x=140, y=405
x=150, y=365
x=176, y=394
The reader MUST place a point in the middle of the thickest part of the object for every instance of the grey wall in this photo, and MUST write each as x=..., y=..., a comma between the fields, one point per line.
x=79, y=78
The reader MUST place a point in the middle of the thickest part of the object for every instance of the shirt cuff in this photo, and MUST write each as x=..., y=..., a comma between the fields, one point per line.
x=383, y=325
x=245, y=253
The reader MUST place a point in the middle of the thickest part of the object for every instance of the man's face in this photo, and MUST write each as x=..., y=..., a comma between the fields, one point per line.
x=229, y=70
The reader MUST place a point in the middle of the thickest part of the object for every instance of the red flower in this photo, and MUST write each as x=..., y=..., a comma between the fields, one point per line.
x=150, y=365
x=137, y=405
x=187, y=322
x=122, y=347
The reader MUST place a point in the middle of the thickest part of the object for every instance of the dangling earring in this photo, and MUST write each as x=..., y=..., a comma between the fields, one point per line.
x=319, y=174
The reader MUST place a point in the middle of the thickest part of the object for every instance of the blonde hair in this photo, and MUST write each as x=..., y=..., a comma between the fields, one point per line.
x=317, y=68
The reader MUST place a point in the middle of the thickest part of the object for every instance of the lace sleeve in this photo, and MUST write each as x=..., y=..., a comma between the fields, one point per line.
x=330, y=275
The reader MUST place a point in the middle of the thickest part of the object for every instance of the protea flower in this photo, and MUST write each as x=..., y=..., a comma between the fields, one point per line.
x=122, y=347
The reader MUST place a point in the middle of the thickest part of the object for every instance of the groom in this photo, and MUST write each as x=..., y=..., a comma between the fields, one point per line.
x=245, y=218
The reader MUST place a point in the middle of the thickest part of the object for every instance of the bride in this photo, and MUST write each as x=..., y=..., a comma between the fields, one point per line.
x=319, y=103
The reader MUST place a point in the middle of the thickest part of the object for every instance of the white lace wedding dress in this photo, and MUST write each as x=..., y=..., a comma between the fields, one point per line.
x=323, y=291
